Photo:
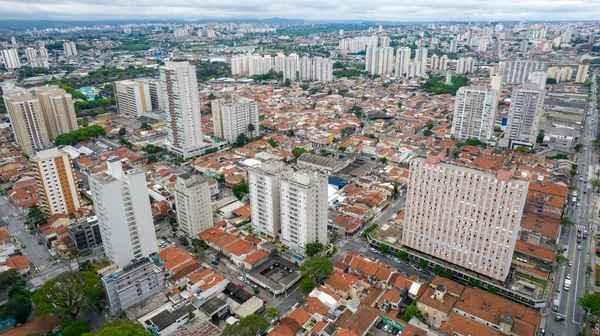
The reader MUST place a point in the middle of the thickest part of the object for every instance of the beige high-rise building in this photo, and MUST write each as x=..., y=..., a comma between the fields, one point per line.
x=194, y=208
x=56, y=178
x=233, y=116
x=27, y=120
x=59, y=112
x=40, y=114
x=582, y=71
x=474, y=113
x=464, y=216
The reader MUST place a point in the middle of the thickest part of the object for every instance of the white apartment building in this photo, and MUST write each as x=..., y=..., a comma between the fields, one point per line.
x=474, y=113
x=317, y=69
x=182, y=108
x=133, y=98
x=43, y=52
x=193, y=204
x=538, y=78
x=402, y=59
x=70, y=48
x=10, y=58
x=526, y=108
x=465, y=65
x=421, y=58
x=303, y=196
x=517, y=72
x=358, y=44
x=464, y=216
x=56, y=178
x=31, y=54
x=233, y=116
x=290, y=67
x=379, y=61
x=122, y=205
x=582, y=72
x=264, y=183
x=453, y=45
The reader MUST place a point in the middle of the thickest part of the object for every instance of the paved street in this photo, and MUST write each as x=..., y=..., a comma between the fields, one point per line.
x=583, y=216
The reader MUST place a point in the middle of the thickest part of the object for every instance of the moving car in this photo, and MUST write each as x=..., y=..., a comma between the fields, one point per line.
x=558, y=318
x=241, y=278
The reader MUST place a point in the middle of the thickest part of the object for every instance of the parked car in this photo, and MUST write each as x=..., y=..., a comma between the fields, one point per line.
x=241, y=278
x=568, y=276
x=386, y=327
x=558, y=318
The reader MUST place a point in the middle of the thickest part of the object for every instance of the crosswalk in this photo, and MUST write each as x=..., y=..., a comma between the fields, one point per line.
x=581, y=227
x=6, y=217
x=46, y=265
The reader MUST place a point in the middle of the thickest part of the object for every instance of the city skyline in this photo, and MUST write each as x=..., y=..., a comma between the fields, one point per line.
x=392, y=11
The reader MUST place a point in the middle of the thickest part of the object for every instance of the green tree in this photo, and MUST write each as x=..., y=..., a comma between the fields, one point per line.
x=304, y=87
x=291, y=132
x=36, y=216
x=75, y=328
x=423, y=263
x=297, y=151
x=146, y=127
x=492, y=290
x=271, y=312
x=313, y=249
x=68, y=294
x=152, y=159
x=591, y=303
x=8, y=278
x=18, y=307
x=383, y=160
x=239, y=190
x=307, y=285
x=402, y=255
x=251, y=128
x=561, y=259
x=256, y=291
x=221, y=178
x=317, y=268
x=578, y=147
x=395, y=192
x=240, y=141
x=410, y=311
x=122, y=131
x=236, y=330
x=323, y=151
x=384, y=248
x=399, y=105
x=342, y=149
x=595, y=183
x=427, y=132
x=566, y=221
x=255, y=323
x=330, y=92
x=362, y=124
x=287, y=82
x=273, y=143
x=211, y=96
x=121, y=328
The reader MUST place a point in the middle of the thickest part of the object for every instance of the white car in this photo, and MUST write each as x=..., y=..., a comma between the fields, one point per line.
x=579, y=247
x=373, y=250
x=241, y=278
x=386, y=327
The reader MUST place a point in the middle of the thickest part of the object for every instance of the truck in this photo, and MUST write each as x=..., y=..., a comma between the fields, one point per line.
x=567, y=284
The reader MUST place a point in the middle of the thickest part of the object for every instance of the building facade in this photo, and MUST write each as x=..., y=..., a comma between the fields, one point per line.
x=123, y=208
x=193, y=205
x=233, y=116
x=27, y=120
x=70, y=48
x=58, y=110
x=133, y=98
x=464, y=216
x=11, y=59
x=264, y=183
x=474, y=113
x=56, y=178
x=182, y=108
x=303, y=196
x=526, y=108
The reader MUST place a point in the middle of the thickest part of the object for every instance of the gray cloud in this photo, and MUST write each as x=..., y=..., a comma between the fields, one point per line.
x=388, y=10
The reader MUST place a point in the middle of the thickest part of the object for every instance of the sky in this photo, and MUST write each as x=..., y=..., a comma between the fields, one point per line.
x=371, y=10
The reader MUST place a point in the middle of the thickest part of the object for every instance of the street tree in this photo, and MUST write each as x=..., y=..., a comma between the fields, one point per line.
x=68, y=294
x=121, y=328
x=590, y=303
x=595, y=183
x=75, y=328
x=271, y=312
x=256, y=324
x=36, y=216
x=307, y=285
x=297, y=151
x=317, y=268
x=566, y=221
x=395, y=192
x=561, y=259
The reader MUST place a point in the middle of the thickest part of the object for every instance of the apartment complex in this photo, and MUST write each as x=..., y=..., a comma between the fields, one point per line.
x=182, y=108
x=582, y=72
x=524, y=115
x=517, y=72
x=56, y=178
x=193, y=205
x=264, y=182
x=70, y=48
x=465, y=216
x=465, y=65
x=402, y=59
x=133, y=98
x=379, y=60
x=10, y=58
x=123, y=208
x=287, y=204
x=38, y=115
x=233, y=116
x=27, y=120
x=303, y=208
x=316, y=69
x=58, y=109
x=474, y=113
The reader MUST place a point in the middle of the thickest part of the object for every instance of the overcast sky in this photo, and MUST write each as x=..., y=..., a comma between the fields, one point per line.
x=388, y=10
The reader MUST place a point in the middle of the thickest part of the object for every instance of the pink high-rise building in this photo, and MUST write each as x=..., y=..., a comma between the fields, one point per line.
x=465, y=216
